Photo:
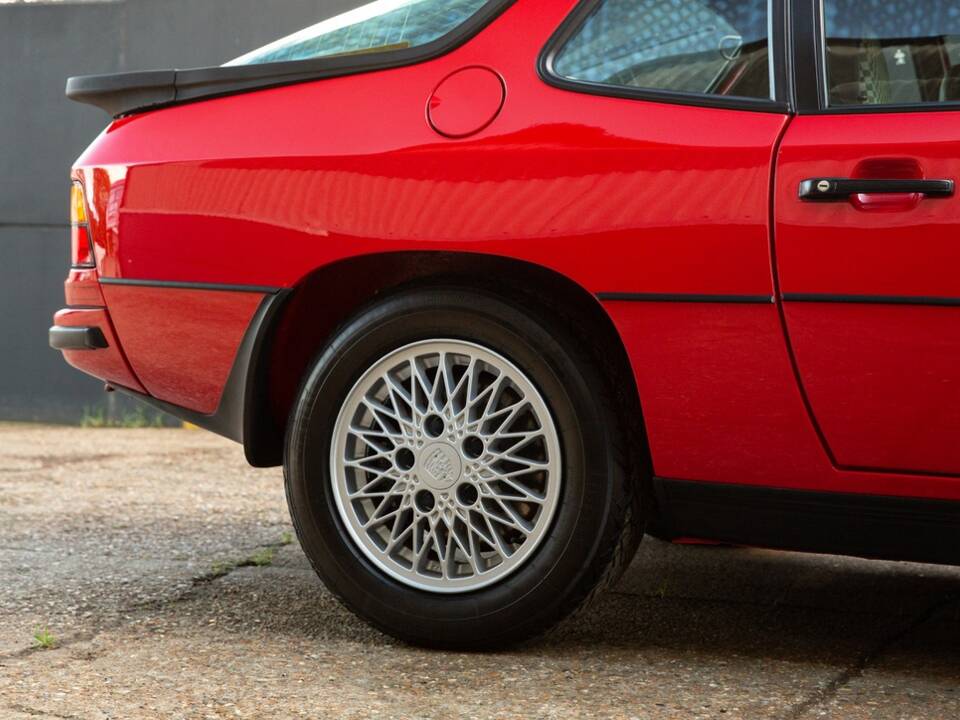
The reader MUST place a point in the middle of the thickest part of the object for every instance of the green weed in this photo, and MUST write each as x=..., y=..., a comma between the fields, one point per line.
x=43, y=639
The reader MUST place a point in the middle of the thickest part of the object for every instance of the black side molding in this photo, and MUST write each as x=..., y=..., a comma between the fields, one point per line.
x=888, y=528
x=189, y=285
x=126, y=93
x=929, y=301
x=77, y=338
x=686, y=298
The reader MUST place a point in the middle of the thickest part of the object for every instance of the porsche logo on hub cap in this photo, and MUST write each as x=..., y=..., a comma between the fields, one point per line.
x=440, y=466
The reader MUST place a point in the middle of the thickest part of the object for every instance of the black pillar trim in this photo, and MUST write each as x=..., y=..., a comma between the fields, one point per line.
x=809, y=91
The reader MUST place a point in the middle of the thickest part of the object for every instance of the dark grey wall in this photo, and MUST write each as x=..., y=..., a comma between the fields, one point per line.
x=41, y=134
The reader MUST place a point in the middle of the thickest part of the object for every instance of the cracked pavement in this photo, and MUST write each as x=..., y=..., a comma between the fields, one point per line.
x=134, y=549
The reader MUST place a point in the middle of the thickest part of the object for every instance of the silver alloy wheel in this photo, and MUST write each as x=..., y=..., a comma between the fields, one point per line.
x=445, y=464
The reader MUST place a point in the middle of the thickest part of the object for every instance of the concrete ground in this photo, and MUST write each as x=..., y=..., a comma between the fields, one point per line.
x=164, y=572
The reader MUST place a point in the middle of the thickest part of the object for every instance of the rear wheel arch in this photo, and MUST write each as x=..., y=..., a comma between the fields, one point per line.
x=328, y=297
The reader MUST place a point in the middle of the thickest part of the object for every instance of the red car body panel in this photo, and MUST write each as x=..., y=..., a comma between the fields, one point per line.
x=883, y=382
x=883, y=379
x=185, y=364
x=82, y=288
x=663, y=211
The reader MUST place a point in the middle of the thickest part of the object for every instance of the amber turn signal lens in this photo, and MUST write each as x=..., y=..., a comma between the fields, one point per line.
x=78, y=205
x=81, y=251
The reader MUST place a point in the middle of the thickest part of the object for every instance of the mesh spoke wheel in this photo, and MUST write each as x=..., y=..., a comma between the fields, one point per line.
x=446, y=466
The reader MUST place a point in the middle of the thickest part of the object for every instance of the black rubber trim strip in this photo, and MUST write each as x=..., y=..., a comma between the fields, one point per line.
x=177, y=285
x=573, y=22
x=872, y=299
x=77, y=338
x=126, y=93
x=891, y=528
x=951, y=106
x=231, y=418
x=686, y=298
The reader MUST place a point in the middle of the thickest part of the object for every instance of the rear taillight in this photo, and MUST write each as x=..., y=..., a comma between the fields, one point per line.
x=81, y=250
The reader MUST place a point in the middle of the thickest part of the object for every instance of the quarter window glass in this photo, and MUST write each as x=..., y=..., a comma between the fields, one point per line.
x=705, y=47
x=377, y=27
x=892, y=52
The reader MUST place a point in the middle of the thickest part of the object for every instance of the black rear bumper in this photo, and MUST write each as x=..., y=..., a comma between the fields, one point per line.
x=77, y=338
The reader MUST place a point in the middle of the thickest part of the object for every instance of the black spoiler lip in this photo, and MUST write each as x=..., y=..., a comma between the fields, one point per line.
x=126, y=93
x=121, y=93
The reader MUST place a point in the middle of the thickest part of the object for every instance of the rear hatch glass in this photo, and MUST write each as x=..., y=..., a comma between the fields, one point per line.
x=377, y=27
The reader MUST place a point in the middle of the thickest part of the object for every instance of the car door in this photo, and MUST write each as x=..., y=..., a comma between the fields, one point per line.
x=867, y=231
x=671, y=115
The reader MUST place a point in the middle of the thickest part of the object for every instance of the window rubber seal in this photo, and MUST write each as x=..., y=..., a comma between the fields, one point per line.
x=546, y=68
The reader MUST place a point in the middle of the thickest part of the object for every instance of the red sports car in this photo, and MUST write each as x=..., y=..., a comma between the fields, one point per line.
x=503, y=285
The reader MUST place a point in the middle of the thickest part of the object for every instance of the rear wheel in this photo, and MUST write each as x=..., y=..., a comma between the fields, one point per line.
x=456, y=471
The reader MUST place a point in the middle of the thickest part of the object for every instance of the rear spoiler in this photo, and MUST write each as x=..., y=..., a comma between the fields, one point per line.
x=123, y=93
x=131, y=92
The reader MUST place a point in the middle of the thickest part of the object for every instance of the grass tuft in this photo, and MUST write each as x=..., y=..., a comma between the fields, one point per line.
x=218, y=570
x=43, y=639
x=262, y=558
x=138, y=418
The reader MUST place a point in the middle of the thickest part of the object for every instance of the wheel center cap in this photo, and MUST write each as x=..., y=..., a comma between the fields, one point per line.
x=440, y=466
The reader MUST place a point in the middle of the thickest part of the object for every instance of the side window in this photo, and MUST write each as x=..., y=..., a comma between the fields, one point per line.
x=379, y=26
x=703, y=47
x=892, y=52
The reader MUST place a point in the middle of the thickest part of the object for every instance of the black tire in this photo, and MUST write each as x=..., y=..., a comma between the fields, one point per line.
x=596, y=525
